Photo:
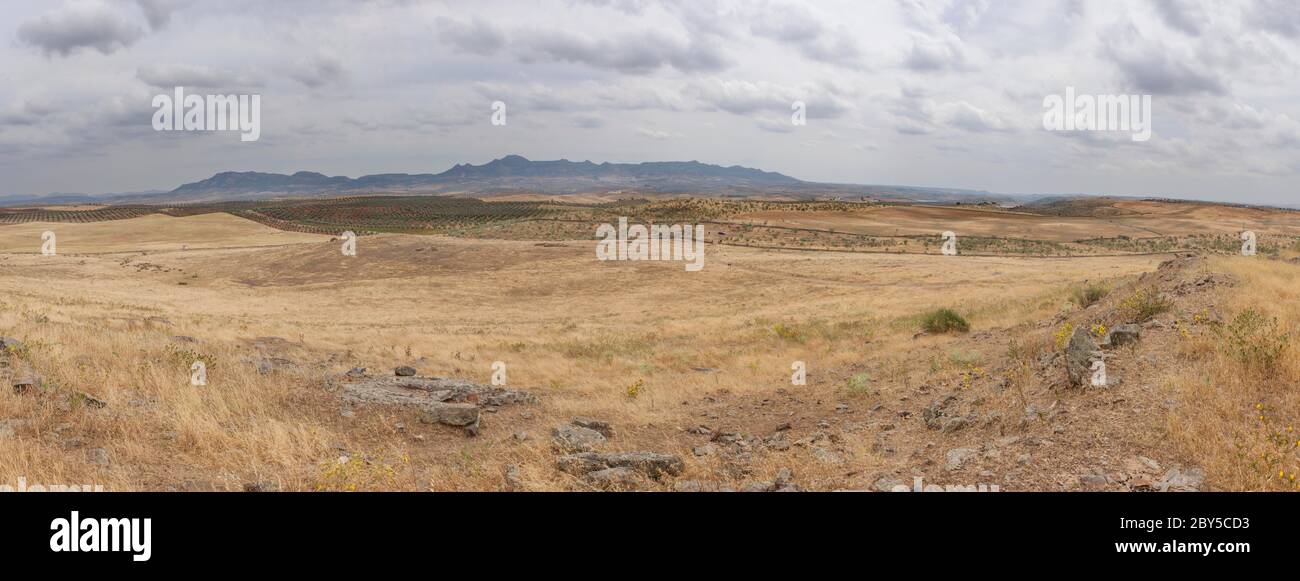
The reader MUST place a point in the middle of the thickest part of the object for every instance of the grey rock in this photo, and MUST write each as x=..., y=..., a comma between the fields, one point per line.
x=1079, y=356
x=705, y=450
x=1176, y=480
x=1122, y=335
x=1092, y=481
x=957, y=458
x=404, y=371
x=571, y=438
x=513, y=479
x=618, y=478
x=451, y=414
x=97, y=456
x=954, y=424
x=603, y=427
x=651, y=464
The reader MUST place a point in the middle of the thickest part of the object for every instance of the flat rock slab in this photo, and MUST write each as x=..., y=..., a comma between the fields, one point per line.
x=649, y=463
x=426, y=391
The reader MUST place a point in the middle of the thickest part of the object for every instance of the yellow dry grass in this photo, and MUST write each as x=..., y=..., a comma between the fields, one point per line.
x=1237, y=418
x=576, y=331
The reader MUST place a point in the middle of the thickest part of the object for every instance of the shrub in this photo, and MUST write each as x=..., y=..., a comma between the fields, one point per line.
x=1253, y=340
x=1088, y=294
x=1144, y=304
x=943, y=321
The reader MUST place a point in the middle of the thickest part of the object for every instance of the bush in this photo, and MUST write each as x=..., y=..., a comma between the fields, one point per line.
x=943, y=321
x=1254, y=340
x=1145, y=304
x=1088, y=294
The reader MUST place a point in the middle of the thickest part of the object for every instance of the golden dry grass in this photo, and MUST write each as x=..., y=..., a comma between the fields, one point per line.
x=1237, y=419
x=576, y=331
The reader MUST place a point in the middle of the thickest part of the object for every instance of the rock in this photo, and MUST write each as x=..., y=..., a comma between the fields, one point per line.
x=261, y=487
x=513, y=479
x=347, y=413
x=27, y=381
x=651, y=464
x=97, y=456
x=827, y=456
x=886, y=484
x=404, y=371
x=705, y=450
x=1022, y=459
x=957, y=457
x=593, y=424
x=7, y=427
x=696, y=486
x=619, y=478
x=451, y=414
x=1079, y=355
x=1122, y=335
x=954, y=424
x=1093, y=481
x=521, y=436
x=571, y=438
x=1176, y=480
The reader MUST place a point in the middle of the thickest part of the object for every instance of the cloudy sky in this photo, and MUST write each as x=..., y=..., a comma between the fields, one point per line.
x=918, y=92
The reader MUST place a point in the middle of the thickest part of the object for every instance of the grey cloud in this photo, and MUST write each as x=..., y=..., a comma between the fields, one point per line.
x=163, y=76
x=636, y=54
x=318, y=71
x=475, y=37
x=1279, y=16
x=158, y=12
x=1187, y=16
x=1160, y=73
x=798, y=27
x=80, y=26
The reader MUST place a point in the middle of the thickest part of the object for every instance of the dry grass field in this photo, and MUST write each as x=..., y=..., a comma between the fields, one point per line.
x=693, y=364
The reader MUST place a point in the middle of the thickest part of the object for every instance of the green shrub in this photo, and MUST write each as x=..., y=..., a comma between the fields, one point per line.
x=1088, y=294
x=943, y=321
x=1254, y=340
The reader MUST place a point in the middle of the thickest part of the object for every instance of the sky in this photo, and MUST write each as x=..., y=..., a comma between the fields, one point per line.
x=940, y=93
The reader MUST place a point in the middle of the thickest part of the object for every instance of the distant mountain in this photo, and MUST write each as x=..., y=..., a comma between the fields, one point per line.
x=515, y=174
x=511, y=173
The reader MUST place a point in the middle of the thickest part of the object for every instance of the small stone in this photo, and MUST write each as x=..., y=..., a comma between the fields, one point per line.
x=451, y=414
x=571, y=438
x=957, y=458
x=603, y=427
x=97, y=456
x=404, y=371
x=620, y=478
x=521, y=436
x=1093, y=481
x=705, y=450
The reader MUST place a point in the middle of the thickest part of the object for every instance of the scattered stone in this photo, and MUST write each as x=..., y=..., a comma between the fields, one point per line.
x=705, y=450
x=1122, y=335
x=827, y=456
x=451, y=414
x=90, y=401
x=619, y=478
x=521, y=436
x=954, y=424
x=593, y=424
x=1093, y=481
x=97, y=456
x=261, y=487
x=404, y=371
x=1079, y=355
x=1177, y=480
x=651, y=464
x=513, y=479
x=571, y=438
x=957, y=457
x=697, y=486
x=886, y=484
x=7, y=427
